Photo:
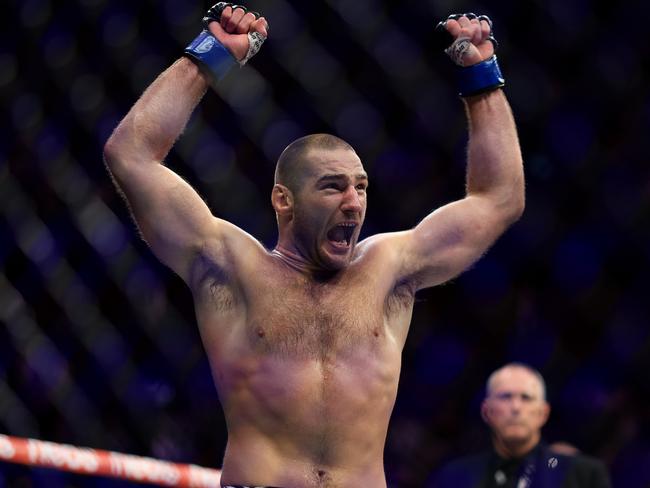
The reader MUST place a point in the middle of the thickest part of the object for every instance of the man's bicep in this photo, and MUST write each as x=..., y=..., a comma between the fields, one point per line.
x=451, y=239
x=172, y=217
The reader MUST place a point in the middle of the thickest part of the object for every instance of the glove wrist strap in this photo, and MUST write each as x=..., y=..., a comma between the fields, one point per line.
x=479, y=78
x=210, y=55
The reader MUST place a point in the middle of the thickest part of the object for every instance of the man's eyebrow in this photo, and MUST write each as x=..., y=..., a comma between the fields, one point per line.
x=331, y=177
x=514, y=393
x=341, y=176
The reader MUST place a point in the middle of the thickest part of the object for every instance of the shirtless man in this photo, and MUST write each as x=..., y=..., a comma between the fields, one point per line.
x=305, y=340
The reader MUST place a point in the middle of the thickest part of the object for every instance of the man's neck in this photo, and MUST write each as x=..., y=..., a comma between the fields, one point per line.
x=299, y=263
x=513, y=450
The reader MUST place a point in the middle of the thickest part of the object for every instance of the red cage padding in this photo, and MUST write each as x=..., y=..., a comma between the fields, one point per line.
x=96, y=462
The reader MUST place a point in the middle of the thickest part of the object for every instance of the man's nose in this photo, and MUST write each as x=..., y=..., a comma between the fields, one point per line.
x=515, y=403
x=351, y=200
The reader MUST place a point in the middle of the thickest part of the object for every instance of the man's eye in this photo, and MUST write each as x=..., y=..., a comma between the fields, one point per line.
x=361, y=187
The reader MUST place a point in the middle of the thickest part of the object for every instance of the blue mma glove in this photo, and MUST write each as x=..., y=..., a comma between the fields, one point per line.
x=475, y=79
x=212, y=56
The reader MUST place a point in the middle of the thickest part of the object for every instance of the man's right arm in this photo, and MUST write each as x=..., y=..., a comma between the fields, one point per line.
x=173, y=219
x=171, y=216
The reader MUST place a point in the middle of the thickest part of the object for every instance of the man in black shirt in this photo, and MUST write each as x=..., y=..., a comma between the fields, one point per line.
x=515, y=409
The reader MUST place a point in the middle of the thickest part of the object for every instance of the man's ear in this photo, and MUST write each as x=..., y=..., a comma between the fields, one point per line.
x=546, y=412
x=281, y=199
x=485, y=410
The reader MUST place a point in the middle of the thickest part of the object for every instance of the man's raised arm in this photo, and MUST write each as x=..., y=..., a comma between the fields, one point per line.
x=172, y=217
x=453, y=237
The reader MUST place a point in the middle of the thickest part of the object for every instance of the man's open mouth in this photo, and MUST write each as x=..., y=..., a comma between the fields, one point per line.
x=341, y=234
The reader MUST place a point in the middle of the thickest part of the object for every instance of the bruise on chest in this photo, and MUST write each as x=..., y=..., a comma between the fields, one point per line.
x=302, y=319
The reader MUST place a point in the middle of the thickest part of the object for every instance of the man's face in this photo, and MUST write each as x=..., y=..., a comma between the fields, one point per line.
x=330, y=207
x=514, y=408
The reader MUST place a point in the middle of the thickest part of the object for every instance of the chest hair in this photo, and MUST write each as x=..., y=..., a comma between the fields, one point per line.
x=312, y=320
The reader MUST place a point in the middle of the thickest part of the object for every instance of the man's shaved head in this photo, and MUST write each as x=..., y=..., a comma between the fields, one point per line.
x=291, y=162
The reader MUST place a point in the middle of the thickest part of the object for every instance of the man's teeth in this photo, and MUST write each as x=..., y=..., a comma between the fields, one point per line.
x=342, y=233
x=348, y=229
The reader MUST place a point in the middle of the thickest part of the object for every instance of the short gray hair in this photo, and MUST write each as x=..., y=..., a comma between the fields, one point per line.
x=489, y=385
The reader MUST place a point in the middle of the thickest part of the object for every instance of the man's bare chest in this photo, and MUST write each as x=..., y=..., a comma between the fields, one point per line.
x=280, y=312
x=319, y=320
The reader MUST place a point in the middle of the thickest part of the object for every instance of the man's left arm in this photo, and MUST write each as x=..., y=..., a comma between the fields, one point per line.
x=453, y=237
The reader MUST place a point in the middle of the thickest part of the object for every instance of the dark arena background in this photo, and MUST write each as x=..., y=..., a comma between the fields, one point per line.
x=98, y=341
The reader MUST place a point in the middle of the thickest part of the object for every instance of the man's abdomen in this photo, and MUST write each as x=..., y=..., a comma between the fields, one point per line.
x=321, y=419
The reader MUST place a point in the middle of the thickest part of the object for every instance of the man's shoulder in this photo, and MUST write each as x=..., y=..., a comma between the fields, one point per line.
x=228, y=252
x=383, y=242
x=585, y=461
x=573, y=470
x=586, y=471
x=385, y=248
x=577, y=459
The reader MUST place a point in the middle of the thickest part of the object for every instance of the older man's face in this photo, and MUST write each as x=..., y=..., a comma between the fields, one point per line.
x=514, y=408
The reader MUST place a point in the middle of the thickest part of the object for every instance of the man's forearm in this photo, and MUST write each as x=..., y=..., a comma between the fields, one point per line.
x=153, y=124
x=495, y=167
